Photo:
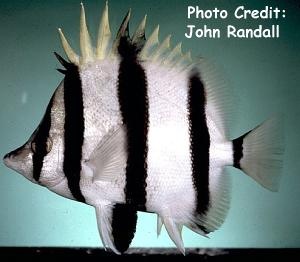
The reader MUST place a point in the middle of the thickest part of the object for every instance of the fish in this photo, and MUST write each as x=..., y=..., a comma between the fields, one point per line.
x=138, y=125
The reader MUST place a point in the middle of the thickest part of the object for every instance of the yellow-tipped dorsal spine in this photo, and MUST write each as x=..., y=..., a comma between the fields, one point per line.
x=87, y=54
x=175, y=53
x=161, y=49
x=187, y=58
x=186, y=61
x=151, y=42
x=104, y=35
x=72, y=56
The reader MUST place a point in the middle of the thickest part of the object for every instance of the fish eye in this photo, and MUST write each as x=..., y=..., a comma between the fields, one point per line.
x=33, y=147
x=48, y=146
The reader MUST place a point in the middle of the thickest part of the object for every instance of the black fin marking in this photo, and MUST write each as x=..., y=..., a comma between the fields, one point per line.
x=238, y=150
x=124, y=27
x=74, y=130
x=200, y=142
x=139, y=40
x=63, y=71
x=129, y=53
x=259, y=153
x=140, y=44
x=40, y=140
x=62, y=61
x=124, y=221
x=133, y=100
x=123, y=32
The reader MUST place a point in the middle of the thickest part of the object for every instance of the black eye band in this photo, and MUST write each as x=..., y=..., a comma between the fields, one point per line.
x=48, y=147
x=39, y=145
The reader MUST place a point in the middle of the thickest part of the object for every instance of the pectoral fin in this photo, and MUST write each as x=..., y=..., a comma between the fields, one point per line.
x=108, y=160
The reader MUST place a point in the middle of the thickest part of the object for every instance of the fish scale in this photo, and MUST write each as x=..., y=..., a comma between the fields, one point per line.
x=106, y=114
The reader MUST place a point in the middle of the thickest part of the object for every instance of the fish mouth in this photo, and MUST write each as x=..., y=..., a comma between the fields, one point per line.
x=9, y=162
x=11, y=159
x=13, y=162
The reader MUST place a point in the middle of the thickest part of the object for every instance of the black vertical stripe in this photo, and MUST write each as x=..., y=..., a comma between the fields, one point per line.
x=40, y=142
x=133, y=100
x=123, y=225
x=238, y=150
x=199, y=142
x=74, y=130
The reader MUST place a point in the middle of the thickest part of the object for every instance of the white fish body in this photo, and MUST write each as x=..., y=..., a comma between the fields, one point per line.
x=146, y=130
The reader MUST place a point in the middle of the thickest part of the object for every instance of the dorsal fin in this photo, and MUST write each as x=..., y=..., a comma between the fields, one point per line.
x=62, y=61
x=151, y=42
x=85, y=40
x=72, y=56
x=139, y=38
x=122, y=32
x=161, y=49
x=176, y=51
x=103, y=34
x=146, y=49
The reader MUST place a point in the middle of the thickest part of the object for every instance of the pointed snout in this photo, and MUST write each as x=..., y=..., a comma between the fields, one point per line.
x=6, y=156
x=10, y=158
x=7, y=159
x=20, y=161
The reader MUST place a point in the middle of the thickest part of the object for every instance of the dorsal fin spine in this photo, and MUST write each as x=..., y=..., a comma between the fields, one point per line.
x=147, y=49
x=72, y=56
x=85, y=40
x=175, y=52
x=161, y=49
x=138, y=38
x=122, y=32
x=104, y=34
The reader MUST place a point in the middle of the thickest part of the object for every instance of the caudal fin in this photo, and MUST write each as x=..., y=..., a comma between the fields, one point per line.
x=259, y=153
